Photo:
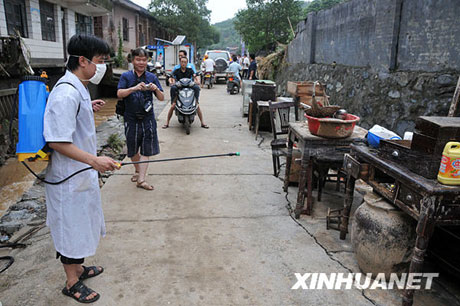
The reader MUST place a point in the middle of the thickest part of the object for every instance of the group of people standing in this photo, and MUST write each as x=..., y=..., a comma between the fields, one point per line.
x=248, y=66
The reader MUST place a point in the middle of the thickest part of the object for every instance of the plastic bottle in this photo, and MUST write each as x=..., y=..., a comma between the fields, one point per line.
x=449, y=170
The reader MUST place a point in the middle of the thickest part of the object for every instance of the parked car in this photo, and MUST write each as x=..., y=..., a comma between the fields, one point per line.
x=222, y=59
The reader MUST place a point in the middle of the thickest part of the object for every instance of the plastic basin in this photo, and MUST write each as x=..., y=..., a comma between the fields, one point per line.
x=332, y=127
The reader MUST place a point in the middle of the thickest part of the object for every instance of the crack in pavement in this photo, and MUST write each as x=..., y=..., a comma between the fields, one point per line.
x=195, y=218
x=328, y=253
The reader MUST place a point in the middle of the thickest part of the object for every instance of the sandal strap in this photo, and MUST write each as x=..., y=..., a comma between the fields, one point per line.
x=144, y=185
x=81, y=288
x=87, y=270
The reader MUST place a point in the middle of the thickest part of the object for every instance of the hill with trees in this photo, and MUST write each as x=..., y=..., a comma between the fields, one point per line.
x=229, y=37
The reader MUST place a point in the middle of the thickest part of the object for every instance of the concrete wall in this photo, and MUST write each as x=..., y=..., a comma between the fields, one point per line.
x=382, y=34
x=430, y=35
x=119, y=13
x=346, y=33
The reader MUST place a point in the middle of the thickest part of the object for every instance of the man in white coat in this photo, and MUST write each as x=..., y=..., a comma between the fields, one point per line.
x=74, y=211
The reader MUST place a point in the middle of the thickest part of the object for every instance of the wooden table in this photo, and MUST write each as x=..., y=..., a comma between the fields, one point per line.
x=425, y=200
x=314, y=148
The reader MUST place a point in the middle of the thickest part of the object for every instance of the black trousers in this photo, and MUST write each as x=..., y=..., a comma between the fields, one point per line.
x=69, y=261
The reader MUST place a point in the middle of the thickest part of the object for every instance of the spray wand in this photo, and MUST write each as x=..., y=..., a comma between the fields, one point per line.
x=131, y=163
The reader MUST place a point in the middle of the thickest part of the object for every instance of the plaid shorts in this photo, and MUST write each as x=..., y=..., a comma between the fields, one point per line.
x=142, y=135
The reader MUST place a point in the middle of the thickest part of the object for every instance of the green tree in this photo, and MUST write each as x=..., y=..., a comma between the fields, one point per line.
x=265, y=23
x=318, y=5
x=186, y=17
x=119, y=58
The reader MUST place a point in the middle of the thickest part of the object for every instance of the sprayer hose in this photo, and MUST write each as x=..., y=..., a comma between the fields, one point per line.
x=129, y=163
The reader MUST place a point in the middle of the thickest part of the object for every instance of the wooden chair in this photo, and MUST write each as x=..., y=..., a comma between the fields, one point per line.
x=279, y=145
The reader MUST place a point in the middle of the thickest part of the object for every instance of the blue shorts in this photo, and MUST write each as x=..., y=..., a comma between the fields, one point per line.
x=142, y=135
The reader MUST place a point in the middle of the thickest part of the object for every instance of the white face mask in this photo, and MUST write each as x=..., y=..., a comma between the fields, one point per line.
x=100, y=71
x=98, y=75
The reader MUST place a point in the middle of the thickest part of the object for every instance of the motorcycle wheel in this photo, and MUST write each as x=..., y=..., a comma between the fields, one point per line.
x=187, y=124
x=209, y=86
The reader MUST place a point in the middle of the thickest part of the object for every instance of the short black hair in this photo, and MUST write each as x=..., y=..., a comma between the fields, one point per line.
x=87, y=46
x=182, y=58
x=234, y=58
x=139, y=52
x=252, y=56
x=183, y=51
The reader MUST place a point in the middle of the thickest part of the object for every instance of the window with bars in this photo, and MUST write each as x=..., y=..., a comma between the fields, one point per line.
x=125, y=29
x=83, y=24
x=16, y=21
x=47, y=21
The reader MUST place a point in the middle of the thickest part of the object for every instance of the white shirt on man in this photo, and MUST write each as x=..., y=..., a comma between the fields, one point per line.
x=246, y=63
x=209, y=65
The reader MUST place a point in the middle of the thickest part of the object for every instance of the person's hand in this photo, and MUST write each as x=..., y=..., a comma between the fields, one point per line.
x=104, y=163
x=97, y=105
x=140, y=87
x=152, y=86
x=172, y=81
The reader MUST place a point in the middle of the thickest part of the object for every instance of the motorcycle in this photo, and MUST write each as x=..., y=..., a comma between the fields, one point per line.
x=158, y=69
x=186, y=105
x=233, y=84
x=208, y=76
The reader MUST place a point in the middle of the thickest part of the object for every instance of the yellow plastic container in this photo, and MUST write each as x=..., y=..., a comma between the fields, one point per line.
x=449, y=170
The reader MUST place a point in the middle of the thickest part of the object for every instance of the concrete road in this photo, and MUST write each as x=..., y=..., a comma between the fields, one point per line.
x=213, y=232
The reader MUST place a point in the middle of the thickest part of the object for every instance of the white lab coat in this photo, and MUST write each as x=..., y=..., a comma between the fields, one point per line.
x=74, y=211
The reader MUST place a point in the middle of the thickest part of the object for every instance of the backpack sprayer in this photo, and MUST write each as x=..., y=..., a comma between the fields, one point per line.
x=32, y=96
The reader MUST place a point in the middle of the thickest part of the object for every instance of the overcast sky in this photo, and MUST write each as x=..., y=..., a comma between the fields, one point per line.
x=220, y=9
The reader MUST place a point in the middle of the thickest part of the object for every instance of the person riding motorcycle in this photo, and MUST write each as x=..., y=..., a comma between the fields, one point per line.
x=235, y=68
x=184, y=72
x=208, y=66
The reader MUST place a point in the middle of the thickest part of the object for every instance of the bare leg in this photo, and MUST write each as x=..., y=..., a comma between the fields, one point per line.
x=170, y=113
x=143, y=168
x=136, y=158
x=73, y=272
x=200, y=115
x=141, y=183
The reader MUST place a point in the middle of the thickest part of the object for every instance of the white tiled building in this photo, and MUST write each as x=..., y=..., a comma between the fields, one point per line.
x=47, y=25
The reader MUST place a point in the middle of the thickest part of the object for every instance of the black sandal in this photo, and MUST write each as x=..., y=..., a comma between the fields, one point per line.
x=86, y=270
x=84, y=291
